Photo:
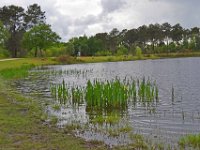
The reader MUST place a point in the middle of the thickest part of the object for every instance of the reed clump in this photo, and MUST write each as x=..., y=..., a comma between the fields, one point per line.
x=114, y=94
x=190, y=141
x=60, y=92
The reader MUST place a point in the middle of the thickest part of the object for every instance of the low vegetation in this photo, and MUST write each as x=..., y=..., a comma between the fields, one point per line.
x=190, y=141
x=112, y=94
x=23, y=122
x=19, y=68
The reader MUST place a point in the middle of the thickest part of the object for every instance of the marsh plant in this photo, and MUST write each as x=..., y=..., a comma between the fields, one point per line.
x=60, y=92
x=113, y=94
x=69, y=72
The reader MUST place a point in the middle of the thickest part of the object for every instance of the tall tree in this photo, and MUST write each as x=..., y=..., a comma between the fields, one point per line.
x=177, y=33
x=143, y=35
x=114, y=39
x=34, y=16
x=131, y=37
x=12, y=18
x=4, y=35
x=103, y=37
x=39, y=38
x=155, y=34
x=166, y=29
x=17, y=22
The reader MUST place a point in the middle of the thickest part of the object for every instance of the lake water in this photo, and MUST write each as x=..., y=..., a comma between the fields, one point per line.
x=171, y=118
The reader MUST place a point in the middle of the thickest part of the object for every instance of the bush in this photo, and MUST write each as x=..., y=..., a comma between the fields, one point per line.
x=103, y=53
x=138, y=52
x=55, y=51
x=65, y=59
x=4, y=53
x=122, y=50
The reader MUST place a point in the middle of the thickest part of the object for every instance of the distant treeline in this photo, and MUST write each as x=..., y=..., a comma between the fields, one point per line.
x=24, y=32
x=154, y=38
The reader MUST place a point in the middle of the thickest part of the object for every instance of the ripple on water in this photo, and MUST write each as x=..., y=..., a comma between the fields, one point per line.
x=167, y=121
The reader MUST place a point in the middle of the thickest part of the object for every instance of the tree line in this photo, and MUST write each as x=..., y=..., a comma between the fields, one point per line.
x=154, y=38
x=24, y=31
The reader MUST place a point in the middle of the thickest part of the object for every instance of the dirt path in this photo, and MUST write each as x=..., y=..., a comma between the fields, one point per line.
x=9, y=59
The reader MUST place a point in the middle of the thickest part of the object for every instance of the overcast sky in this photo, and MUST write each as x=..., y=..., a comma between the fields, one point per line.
x=70, y=18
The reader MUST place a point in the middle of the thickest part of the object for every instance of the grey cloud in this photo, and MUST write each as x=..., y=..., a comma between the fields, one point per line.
x=112, y=5
x=113, y=13
x=87, y=20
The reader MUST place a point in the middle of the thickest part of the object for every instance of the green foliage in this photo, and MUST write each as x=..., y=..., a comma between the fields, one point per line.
x=17, y=22
x=55, y=51
x=107, y=95
x=122, y=50
x=4, y=35
x=69, y=49
x=87, y=46
x=34, y=16
x=40, y=37
x=190, y=141
x=4, y=53
x=16, y=72
x=138, y=52
x=103, y=53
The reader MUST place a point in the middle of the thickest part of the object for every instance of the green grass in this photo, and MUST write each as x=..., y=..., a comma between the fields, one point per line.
x=14, y=73
x=178, y=54
x=114, y=94
x=19, y=68
x=94, y=59
x=56, y=107
x=190, y=141
x=22, y=120
x=110, y=119
x=26, y=61
x=22, y=127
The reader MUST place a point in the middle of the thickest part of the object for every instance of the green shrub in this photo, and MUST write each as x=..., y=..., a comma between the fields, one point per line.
x=4, y=53
x=138, y=52
x=122, y=50
x=103, y=53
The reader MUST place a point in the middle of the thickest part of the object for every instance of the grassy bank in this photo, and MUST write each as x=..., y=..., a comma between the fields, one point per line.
x=132, y=58
x=113, y=58
x=22, y=121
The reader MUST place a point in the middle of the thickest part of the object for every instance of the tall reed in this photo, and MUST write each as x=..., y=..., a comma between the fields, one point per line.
x=107, y=94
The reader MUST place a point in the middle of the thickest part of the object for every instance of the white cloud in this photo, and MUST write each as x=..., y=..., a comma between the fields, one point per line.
x=77, y=17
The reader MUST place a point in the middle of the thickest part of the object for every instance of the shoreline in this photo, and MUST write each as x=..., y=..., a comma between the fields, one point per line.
x=26, y=115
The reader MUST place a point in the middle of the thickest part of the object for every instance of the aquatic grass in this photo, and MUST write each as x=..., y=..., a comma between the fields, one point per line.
x=110, y=119
x=190, y=141
x=54, y=120
x=56, y=107
x=108, y=94
x=60, y=92
x=69, y=72
x=77, y=95
x=105, y=95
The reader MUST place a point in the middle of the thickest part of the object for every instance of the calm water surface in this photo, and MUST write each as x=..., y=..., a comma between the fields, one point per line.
x=170, y=118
